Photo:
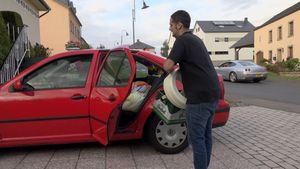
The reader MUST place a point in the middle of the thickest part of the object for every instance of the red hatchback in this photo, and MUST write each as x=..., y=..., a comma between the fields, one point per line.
x=79, y=97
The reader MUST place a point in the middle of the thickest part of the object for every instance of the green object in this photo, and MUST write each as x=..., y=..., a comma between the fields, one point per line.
x=5, y=43
x=166, y=111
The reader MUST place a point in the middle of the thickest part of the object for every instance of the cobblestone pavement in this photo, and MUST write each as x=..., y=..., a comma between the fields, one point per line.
x=254, y=137
x=265, y=137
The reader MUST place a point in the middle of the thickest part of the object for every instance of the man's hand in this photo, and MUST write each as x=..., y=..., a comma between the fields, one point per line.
x=168, y=65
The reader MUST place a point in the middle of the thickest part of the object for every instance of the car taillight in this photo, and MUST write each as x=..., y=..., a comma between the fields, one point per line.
x=221, y=87
x=247, y=70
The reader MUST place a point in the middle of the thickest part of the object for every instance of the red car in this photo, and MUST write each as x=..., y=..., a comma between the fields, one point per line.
x=78, y=96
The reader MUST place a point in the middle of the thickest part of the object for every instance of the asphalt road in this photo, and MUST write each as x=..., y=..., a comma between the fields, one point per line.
x=275, y=94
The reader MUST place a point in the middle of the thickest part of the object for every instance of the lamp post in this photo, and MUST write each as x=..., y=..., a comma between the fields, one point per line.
x=126, y=33
x=133, y=18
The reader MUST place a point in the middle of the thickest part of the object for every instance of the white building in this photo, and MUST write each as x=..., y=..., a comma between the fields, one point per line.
x=29, y=10
x=219, y=36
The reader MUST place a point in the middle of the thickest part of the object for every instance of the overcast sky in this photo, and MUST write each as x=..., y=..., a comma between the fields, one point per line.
x=103, y=20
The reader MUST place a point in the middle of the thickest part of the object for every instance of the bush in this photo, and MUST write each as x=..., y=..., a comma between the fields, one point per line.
x=5, y=43
x=37, y=53
x=39, y=50
x=291, y=64
x=276, y=68
x=264, y=62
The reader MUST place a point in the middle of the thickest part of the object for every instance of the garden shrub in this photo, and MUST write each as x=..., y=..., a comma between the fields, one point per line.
x=5, y=42
x=291, y=64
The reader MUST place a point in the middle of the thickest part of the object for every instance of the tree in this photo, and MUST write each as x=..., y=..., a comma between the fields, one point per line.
x=5, y=43
x=164, y=50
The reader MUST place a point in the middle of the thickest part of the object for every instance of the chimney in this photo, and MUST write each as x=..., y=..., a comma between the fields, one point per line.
x=245, y=20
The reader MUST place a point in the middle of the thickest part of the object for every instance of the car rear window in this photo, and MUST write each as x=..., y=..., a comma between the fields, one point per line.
x=246, y=63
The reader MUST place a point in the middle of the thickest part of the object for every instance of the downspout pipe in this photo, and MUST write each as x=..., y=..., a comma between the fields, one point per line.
x=45, y=13
x=46, y=6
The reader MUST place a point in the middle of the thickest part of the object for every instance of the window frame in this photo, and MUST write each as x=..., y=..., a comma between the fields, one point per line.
x=25, y=80
x=98, y=82
x=291, y=29
x=279, y=33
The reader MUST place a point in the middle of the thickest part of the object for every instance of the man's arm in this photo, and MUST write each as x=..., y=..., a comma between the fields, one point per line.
x=168, y=65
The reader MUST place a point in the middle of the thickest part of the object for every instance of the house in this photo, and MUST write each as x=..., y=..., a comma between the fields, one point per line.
x=21, y=19
x=61, y=27
x=142, y=46
x=171, y=41
x=245, y=42
x=278, y=38
x=30, y=12
x=219, y=36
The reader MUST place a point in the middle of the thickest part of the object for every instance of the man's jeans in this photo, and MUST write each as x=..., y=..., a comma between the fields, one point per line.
x=199, y=119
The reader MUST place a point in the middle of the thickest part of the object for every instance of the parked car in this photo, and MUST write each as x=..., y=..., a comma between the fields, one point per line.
x=239, y=70
x=77, y=96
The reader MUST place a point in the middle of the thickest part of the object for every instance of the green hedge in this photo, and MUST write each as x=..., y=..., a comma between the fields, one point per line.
x=5, y=42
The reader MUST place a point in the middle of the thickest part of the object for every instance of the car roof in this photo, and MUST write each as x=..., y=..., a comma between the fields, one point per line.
x=159, y=60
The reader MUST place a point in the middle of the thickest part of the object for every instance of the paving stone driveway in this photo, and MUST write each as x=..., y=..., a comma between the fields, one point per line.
x=254, y=137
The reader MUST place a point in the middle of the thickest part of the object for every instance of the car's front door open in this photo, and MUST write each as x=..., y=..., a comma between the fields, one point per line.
x=110, y=91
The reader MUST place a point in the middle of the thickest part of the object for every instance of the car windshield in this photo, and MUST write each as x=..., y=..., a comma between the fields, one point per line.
x=246, y=63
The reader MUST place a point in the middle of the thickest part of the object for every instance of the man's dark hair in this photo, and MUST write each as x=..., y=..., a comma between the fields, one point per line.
x=183, y=17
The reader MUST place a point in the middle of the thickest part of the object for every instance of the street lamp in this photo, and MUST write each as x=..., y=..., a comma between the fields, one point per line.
x=126, y=33
x=133, y=17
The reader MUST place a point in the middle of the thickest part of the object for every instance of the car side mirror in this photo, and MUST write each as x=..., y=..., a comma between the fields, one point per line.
x=18, y=86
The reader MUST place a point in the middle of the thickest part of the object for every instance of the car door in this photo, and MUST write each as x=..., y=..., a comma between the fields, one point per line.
x=224, y=69
x=111, y=89
x=53, y=104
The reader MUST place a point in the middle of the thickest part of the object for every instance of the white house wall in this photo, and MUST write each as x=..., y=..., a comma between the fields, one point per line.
x=213, y=47
x=29, y=14
x=171, y=41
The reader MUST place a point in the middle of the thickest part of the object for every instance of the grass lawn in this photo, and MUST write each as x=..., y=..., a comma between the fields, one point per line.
x=275, y=76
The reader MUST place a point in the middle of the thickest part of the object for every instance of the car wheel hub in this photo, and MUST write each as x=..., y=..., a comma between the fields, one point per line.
x=170, y=136
x=232, y=77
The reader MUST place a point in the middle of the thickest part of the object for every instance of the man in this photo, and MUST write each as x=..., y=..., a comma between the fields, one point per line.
x=201, y=86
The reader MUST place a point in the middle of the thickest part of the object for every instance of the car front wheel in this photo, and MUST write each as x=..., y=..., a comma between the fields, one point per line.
x=168, y=139
x=233, y=77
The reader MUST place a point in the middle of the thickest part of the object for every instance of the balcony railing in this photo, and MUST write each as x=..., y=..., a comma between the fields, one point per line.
x=12, y=63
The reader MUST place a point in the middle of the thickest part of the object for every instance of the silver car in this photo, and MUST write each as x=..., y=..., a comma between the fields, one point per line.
x=242, y=71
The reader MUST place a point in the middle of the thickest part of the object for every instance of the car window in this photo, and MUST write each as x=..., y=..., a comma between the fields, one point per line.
x=246, y=63
x=69, y=72
x=226, y=64
x=116, y=70
x=231, y=64
x=141, y=70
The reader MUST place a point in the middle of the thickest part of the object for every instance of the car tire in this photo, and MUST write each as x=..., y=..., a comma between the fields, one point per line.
x=233, y=77
x=171, y=91
x=167, y=139
x=256, y=80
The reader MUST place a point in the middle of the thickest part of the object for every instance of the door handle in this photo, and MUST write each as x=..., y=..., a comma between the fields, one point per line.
x=78, y=97
x=112, y=98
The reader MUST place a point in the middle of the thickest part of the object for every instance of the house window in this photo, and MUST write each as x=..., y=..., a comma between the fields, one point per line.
x=209, y=52
x=279, y=33
x=217, y=40
x=221, y=52
x=290, y=52
x=291, y=28
x=270, y=36
x=279, y=54
x=270, y=55
x=226, y=39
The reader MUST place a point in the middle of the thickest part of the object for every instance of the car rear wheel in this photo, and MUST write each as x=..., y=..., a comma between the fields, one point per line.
x=233, y=77
x=168, y=139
